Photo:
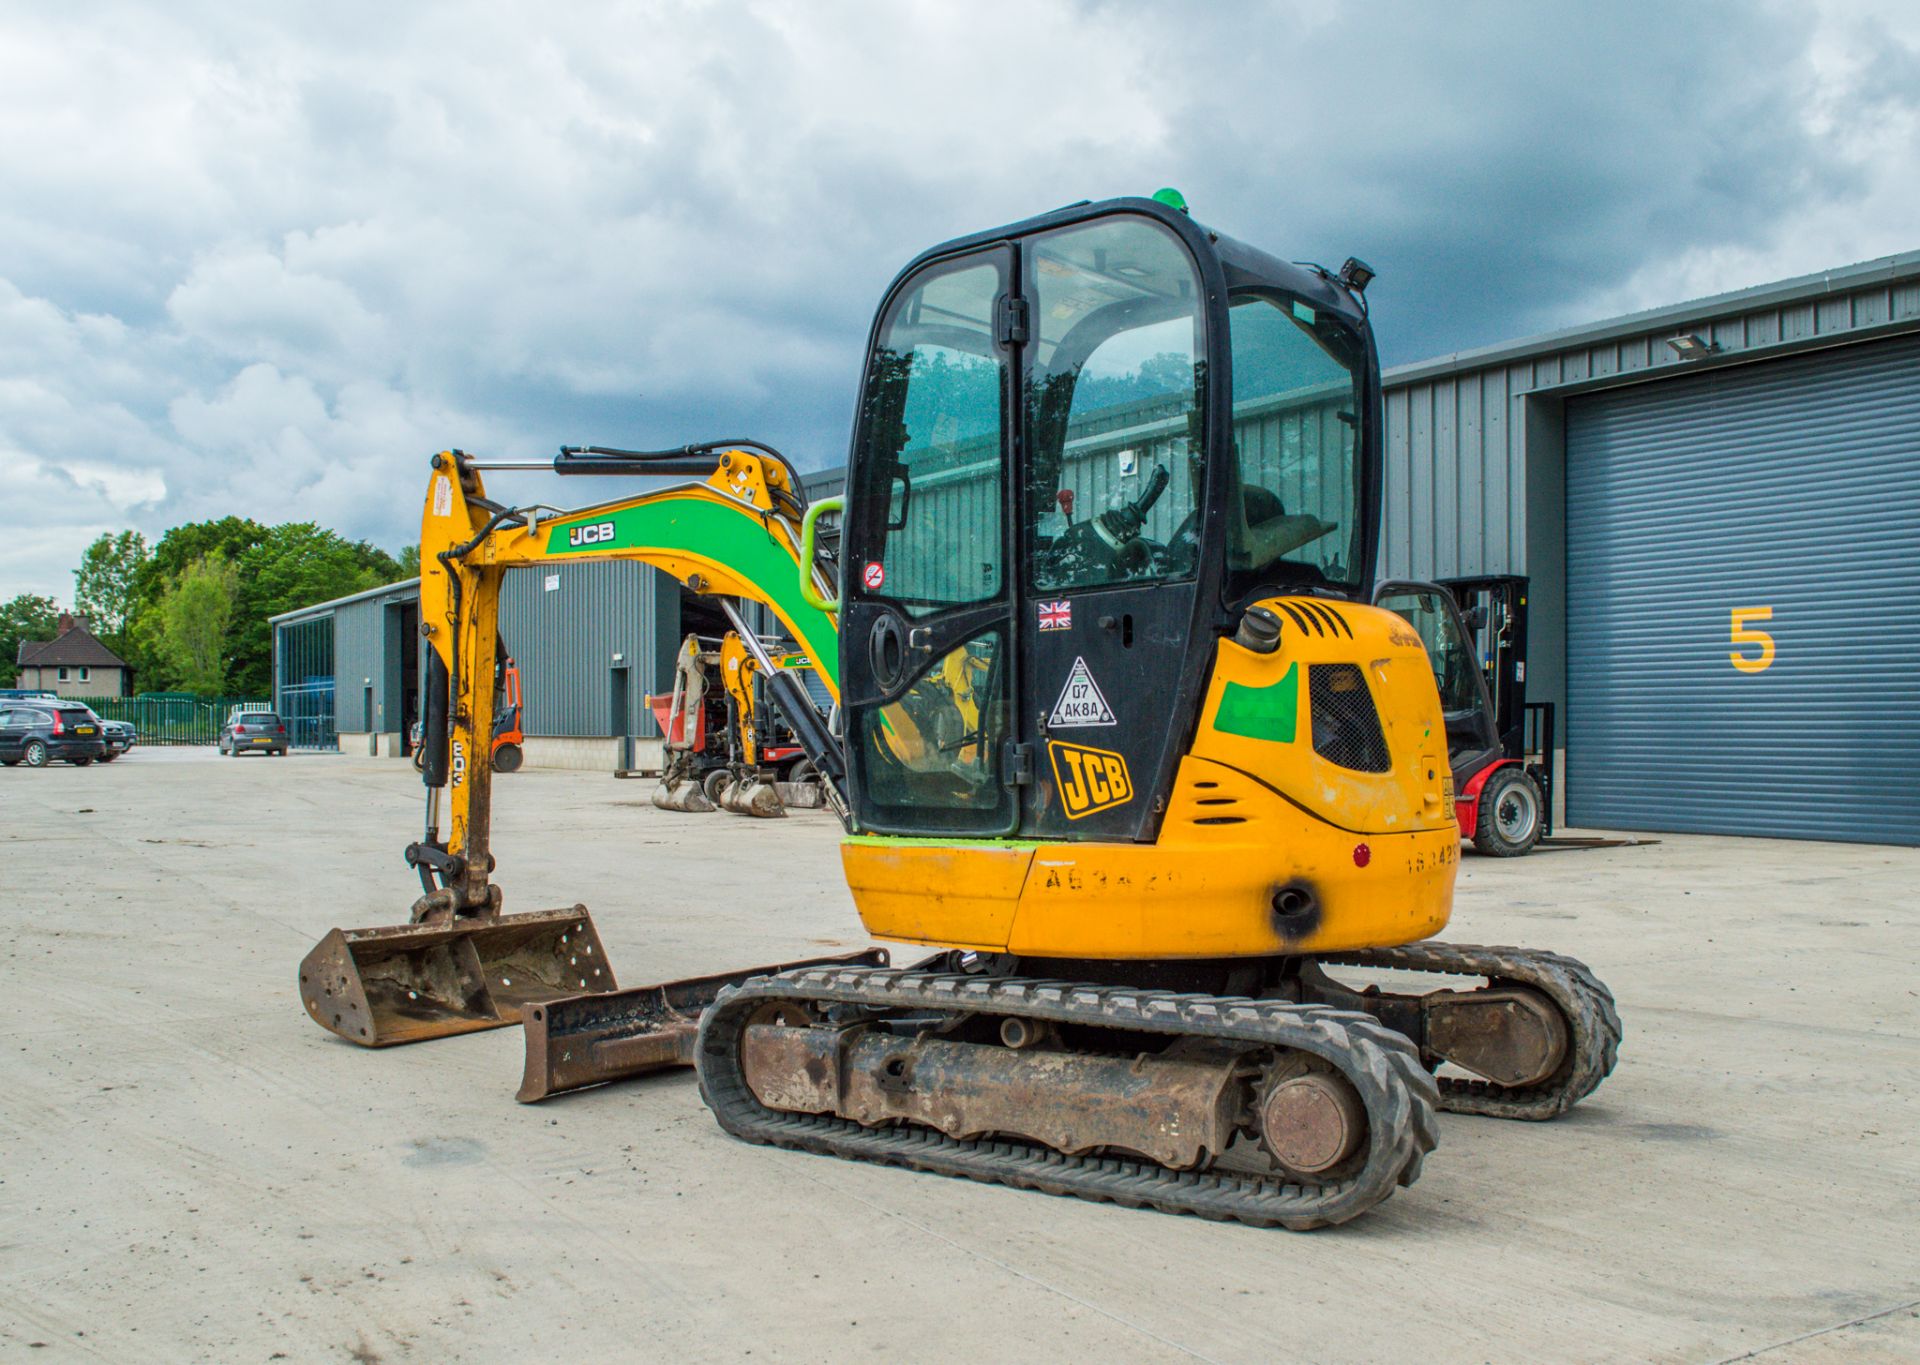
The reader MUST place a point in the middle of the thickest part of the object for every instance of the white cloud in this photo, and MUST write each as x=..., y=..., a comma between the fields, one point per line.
x=264, y=261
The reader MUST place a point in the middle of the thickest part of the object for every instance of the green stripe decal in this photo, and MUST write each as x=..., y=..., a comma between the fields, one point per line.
x=1270, y=713
x=936, y=841
x=733, y=537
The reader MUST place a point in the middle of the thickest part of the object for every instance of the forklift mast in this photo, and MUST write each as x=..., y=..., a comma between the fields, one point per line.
x=1494, y=609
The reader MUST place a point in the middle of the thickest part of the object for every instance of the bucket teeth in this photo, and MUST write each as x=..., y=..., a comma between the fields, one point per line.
x=410, y=982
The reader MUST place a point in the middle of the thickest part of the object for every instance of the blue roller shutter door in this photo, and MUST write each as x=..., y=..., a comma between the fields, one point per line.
x=1771, y=512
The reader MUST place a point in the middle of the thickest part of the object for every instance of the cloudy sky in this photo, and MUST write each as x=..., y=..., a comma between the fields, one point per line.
x=263, y=259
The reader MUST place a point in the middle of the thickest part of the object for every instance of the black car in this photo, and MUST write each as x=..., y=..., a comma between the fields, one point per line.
x=38, y=732
x=253, y=732
x=120, y=737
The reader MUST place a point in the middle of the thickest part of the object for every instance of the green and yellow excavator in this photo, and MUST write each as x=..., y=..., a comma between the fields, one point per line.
x=1118, y=737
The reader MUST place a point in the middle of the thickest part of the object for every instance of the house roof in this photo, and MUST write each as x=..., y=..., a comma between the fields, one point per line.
x=75, y=645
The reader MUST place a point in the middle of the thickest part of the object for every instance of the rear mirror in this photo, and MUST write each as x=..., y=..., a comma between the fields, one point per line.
x=1475, y=616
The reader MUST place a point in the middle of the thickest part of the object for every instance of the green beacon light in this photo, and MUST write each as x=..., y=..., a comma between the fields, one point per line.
x=1172, y=198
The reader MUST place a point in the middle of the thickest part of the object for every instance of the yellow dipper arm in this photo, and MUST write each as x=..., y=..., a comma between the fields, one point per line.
x=734, y=534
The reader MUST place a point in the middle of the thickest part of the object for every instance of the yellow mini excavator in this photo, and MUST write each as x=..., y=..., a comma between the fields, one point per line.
x=1117, y=735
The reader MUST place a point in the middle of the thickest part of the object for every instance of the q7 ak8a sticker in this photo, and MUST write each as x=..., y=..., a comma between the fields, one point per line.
x=1080, y=701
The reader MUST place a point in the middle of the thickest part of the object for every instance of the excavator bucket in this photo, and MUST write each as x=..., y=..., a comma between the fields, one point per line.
x=750, y=796
x=678, y=791
x=588, y=1040
x=409, y=982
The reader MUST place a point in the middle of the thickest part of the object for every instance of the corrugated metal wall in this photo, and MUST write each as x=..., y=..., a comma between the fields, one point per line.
x=1744, y=585
x=565, y=623
x=1455, y=465
x=359, y=654
x=1457, y=442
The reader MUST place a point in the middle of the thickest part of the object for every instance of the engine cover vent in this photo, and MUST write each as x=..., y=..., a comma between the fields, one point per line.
x=1346, y=726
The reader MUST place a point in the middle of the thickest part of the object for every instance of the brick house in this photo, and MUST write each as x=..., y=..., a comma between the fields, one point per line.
x=72, y=664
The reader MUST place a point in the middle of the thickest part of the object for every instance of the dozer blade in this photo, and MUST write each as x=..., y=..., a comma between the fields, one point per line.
x=408, y=982
x=584, y=1040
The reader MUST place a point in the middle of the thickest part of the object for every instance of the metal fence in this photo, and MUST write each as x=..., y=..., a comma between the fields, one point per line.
x=171, y=717
x=307, y=708
x=303, y=680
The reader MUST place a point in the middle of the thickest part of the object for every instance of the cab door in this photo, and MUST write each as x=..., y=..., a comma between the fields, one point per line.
x=929, y=638
x=1113, y=492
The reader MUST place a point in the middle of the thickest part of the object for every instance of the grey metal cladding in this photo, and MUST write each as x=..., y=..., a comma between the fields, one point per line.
x=564, y=623
x=1792, y=485
x=1456, y=456
x=1454, y=468
x=359, y=654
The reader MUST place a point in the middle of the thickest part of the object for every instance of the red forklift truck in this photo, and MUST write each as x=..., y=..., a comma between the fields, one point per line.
x=1500, y=748
x=509, y=732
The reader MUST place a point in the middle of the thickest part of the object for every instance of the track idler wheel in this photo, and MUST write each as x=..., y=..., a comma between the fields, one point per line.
x=1511, y=1036
x=1309, y=1118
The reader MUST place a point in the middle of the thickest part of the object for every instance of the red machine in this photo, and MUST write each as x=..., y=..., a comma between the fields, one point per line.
x=1475, y=633
x=508, y=736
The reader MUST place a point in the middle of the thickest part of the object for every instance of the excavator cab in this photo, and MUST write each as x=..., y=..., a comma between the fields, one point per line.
x=1086, y=444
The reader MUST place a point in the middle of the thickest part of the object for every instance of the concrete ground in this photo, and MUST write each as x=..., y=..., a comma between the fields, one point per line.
x=191, y=1170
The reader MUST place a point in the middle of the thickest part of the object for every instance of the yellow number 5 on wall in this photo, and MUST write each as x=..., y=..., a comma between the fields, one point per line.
x=1743, y=634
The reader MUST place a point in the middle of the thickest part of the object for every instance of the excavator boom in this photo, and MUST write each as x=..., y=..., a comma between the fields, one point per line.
x=462, y=964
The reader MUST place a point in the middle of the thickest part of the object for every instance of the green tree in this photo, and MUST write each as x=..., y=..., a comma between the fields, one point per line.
x=143, y=643
x=194, y=615
x=409, y=561
x=27, y=617
x=293, y=566
x=106, y=585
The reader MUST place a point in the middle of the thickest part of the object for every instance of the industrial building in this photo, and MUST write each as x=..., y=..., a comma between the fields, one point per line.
x=1717, y=504
x=591, y=641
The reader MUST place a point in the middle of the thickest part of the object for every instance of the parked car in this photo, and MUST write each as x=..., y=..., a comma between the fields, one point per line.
x=37, y=733
x=120, y=737
x=253, y=732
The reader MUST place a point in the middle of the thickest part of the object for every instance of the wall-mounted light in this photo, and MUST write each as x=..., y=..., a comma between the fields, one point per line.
x=1690, y=346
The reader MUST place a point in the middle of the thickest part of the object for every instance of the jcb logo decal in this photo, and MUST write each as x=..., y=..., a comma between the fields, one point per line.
x=600, y=533
x=1088, y=779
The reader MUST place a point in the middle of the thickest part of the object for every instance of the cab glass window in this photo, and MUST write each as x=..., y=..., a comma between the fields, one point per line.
x=1293, y=502
x=1114, y=392
x=932, y=445
x=932, y=756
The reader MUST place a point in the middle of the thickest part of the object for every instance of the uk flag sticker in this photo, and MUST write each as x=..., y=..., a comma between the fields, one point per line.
x=1056, y=615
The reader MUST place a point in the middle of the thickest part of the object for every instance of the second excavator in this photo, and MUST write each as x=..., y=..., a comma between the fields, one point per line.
x=1121, y=740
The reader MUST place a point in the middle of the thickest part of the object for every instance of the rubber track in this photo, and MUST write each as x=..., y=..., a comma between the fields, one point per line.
x=1586, y=1004
x=1384, y=1067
